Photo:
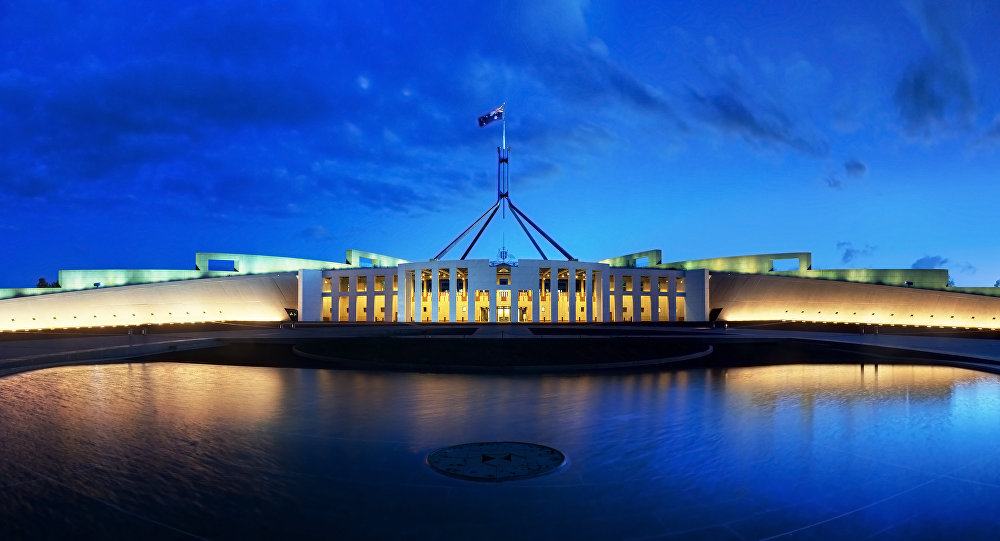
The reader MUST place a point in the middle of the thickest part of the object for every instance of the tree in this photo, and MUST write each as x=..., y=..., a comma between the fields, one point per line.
x=42, y=283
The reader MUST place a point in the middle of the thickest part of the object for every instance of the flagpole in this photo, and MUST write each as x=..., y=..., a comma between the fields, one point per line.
x=503, y=141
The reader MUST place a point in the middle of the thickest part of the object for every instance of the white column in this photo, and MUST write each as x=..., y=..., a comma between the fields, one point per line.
x=536, y=293
x=435, y=292
x=402, y=294
x=310, y=297
x=617, y=296
x=605, y=295
x=696, y=295
x=418, y=295
x=370, y=297
x=452, y=294
x=571, y=294
x=636, y=314
x=470, y=298
x=352, y=298
x=654, y=297
x=672, y=303
x=492, y=288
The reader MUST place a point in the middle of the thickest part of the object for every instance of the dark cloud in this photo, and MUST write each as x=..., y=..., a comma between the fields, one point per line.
x=935, y=92
x=850, y=253
x=380, y=194
x=930, y=262
x=219, y=106
x=852, y=169
x=583, y=74
x=230, y=106
x=931, y=95
x=966, y=268
x=732, y=112
x=855, y=169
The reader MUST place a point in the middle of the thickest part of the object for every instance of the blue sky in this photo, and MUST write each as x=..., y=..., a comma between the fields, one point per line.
x=134, y=134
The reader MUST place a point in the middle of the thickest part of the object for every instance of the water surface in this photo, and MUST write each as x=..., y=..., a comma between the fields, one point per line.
x=182, y=450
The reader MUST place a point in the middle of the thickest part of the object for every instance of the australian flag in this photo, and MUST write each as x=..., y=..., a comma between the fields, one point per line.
x=496, y=114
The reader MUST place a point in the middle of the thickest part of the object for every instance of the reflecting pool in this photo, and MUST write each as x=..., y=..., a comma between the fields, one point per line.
x=175, y=450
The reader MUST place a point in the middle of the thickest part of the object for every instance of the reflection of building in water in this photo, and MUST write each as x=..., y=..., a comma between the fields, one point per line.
x=768, y=385
x=111, y=407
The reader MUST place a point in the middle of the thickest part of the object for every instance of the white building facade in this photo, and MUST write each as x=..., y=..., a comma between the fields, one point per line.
x=526, y=291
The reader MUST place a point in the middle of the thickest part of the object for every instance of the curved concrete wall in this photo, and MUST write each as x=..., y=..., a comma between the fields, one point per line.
x=745, y=297
x=74, y=280
x=235, y=298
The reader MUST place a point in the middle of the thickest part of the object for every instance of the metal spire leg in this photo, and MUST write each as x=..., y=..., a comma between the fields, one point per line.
x=548, y=238
x=526, y=232
x=466, y=232
x=467, y=250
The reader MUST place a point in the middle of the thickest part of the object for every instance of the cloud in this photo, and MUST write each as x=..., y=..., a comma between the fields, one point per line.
x=745, y=95
x=852, y=169
x=855, y=169
x=734, y=112
x=930, y=262
x=225, y=106
x=939, y=262
x=850, y=253
x=966, y=268
x=572, y=70
x=935, y=93
x=586, y=75
x=932, y=95
x=549, y=43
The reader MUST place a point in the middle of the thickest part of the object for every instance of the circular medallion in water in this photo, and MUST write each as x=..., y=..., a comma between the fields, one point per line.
x=495, y=460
